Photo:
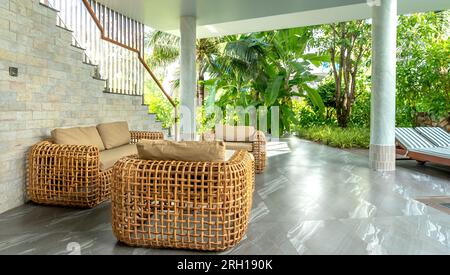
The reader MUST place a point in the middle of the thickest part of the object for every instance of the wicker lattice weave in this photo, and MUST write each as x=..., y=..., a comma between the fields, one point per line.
x=65, y=175
x=188, y=205
x=69, y=175
x=139, y=135
x=258, y=149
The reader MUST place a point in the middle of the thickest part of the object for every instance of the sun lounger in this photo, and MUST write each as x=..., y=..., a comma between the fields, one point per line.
x=424, y=145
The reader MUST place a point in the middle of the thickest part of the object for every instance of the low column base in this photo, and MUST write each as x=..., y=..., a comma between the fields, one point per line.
x=382, y=157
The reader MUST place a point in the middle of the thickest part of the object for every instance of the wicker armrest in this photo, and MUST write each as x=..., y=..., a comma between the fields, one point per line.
x=48, y=149
x=133, y=170
x=239, y=161
x=259, y=141
x=63, y=159
x=64, y=174
x=139, y=135
x=259, y=151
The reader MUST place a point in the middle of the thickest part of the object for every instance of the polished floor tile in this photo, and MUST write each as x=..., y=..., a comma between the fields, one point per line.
x=312, y=199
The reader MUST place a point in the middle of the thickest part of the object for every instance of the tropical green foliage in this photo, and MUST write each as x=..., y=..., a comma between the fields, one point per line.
x=158, y=104
x=423, y=79
x=337, y=137
x=348, y=44
x=164, y=48
x=267, y=69
x=274, y=69
x=165, y=51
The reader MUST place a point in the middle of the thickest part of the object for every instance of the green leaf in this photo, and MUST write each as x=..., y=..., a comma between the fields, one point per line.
x=272, y=91
x=212, y=92
x=315, y=97
x=316, y=59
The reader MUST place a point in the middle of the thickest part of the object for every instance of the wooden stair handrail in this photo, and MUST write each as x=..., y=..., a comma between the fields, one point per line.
x=141, y=59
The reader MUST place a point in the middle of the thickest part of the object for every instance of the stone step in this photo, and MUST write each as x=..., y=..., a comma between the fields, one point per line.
x=48, y=7
x=78, y=47
x=64, y=29
x=90, y=64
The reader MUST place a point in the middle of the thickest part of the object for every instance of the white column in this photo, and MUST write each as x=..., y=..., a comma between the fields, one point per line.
x=384, y=41
x=188, y=77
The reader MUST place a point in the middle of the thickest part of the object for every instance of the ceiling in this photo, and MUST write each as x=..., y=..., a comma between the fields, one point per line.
x=224, y=17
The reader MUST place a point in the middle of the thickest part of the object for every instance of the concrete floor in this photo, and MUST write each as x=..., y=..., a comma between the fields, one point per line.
x=312, y=199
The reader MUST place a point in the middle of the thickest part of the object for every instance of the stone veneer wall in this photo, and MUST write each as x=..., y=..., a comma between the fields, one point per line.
x=54, y=89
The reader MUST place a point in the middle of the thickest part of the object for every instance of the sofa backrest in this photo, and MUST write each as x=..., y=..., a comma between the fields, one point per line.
x=78, y=136
x=114, y=134
x=193, y=151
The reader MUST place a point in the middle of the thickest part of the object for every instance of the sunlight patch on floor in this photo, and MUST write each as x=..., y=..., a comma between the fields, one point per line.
x=275, y=148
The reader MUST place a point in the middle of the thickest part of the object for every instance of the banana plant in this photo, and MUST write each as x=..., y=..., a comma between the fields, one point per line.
x=266, y=69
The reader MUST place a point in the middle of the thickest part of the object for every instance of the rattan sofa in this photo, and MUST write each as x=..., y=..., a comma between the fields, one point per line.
x=184, y=205
x=256, y=144
x=72, y=175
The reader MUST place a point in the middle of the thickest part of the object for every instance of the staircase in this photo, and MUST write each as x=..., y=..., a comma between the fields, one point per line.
x=119, y=85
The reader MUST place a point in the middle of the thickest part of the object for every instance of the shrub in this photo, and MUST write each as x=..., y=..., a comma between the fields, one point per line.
x=308, y=117
x=159, y=105
x=337, y=137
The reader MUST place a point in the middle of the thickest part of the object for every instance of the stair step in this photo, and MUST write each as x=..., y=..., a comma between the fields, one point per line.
x=48, y=7
x=109, y=92
x=78, y=47
x=100, y=79
x=93, y=65
x=66, y=29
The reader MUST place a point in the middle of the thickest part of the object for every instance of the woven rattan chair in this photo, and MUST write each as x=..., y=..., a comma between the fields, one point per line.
x=70, y=175
x=185, y=205
x=257, y=148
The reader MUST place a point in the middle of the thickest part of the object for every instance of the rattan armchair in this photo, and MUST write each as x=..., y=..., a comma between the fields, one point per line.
x=258, y=148
x=70, y=175
x=185, y=205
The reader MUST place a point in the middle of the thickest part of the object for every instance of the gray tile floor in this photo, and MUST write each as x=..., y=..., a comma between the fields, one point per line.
x=311, y=200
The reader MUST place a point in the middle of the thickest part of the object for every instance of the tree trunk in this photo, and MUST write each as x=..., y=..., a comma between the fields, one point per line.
x=201, y=90
x=343, y=116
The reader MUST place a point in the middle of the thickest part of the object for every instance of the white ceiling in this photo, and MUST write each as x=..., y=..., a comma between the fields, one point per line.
x=223, y=17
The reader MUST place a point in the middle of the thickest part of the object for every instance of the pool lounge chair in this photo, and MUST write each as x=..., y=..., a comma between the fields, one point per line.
x=436, y=135
x=423, y=145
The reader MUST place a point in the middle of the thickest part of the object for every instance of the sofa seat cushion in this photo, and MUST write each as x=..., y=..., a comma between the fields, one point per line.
x=247, y=146
x=78, y=136
x=195, y=151
x=114, y=134
x=235, y=133
x=109, y=157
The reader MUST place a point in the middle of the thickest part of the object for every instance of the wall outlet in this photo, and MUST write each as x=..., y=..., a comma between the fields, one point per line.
x=13, y=71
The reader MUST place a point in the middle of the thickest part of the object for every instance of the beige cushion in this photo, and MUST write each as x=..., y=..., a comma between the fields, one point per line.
x=109, y=157
x=247, y=146
x=78, y=136
x=114, y=134
x=235, y=133
x=228, y=154
x=183, y=151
